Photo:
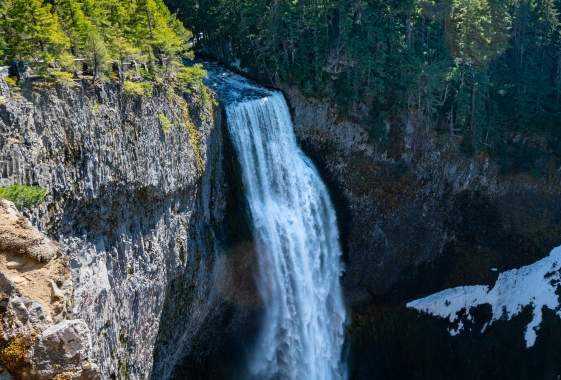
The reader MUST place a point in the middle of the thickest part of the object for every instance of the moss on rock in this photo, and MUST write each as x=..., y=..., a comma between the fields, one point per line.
x=14, y=354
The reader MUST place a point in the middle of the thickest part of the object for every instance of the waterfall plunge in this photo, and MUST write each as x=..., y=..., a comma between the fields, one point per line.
x=299, y=254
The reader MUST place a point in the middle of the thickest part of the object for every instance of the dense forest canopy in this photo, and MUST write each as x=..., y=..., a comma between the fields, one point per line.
x=487, y=72
x=58, y=37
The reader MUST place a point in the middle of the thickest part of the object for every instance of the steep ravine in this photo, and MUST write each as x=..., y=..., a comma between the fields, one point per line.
x=161, y=255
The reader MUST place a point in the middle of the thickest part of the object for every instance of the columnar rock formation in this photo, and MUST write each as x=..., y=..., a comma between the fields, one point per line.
x=126, y=204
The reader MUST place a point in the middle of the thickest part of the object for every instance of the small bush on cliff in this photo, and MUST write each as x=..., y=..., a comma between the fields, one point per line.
x=11, y=81
x=191, y=77
x=165, y=123
x=62, y=376
x=63, y=77
x=138, y=88
x=23, y=196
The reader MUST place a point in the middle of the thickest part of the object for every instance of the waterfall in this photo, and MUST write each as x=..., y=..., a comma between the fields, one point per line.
x=295, y=229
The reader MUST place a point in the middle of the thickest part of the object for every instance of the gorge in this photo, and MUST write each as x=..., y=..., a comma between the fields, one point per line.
x=323, y=190
x=188, y=244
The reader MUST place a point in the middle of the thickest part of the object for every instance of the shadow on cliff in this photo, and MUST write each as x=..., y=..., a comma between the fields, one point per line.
x=212, y=309
x=394, y=343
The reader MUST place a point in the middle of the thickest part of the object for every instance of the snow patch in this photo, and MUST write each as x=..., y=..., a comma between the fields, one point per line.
x=534, y=285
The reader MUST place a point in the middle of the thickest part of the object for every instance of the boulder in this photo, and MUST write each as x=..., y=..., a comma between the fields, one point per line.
x=19, y=236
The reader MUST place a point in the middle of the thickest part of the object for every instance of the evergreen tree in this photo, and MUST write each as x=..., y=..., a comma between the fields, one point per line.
x=106, y=35
x=488, y=71
x=32, y=32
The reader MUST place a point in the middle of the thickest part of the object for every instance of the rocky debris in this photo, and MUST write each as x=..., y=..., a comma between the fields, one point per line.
x=32, y=346
x=17, y=235
x=36, y=340
x=4, y=89
x=31, y=263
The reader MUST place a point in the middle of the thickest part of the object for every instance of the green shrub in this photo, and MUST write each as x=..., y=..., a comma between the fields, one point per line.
x=63, y=77
x=23, y=196
x=147, y=74
x=165, y=123
x=138, y=88
x=11, y=81
x=190, y=77
x=14, y=354
x=193, y=134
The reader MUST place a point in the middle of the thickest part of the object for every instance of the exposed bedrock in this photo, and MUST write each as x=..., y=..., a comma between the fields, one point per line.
x=421, y=216
x=161, y=259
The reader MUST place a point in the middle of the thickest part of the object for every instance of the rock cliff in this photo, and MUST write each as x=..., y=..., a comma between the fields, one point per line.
x=418, y=216
x=129, y=209
x=146, y=257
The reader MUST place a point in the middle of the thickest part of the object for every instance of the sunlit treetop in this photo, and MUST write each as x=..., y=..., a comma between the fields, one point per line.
x=69, y=35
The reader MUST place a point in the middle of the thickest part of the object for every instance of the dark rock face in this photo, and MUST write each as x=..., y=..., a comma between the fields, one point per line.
x=428, y=214
x=419, y=218
x=162, y=256
x=391, y=342
x=214, y=325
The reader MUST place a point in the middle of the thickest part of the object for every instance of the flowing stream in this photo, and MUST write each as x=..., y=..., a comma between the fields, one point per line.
x=295, y=229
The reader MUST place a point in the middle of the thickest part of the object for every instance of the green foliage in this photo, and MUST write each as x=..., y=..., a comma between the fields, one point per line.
x=189, y=78
x=13, y=354
x=138, y=88
x=480, y=30
x=62, y=77
x=11, y=81
x=108, y=36
x=165, y=123
x=23, y=196
x=32, y=33
x=485, y=71
x=182, y=113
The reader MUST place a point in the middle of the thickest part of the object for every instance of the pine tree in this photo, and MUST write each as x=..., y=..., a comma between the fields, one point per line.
x=105, y=34
x=32, y=33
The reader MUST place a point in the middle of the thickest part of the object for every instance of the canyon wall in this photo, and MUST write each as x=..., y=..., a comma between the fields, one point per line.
x=154, y=259
x=130, y=205
x=419, y=216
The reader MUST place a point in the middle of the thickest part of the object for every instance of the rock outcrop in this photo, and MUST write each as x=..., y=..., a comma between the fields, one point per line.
x=419, y=215
x=18, y=236
x=131, y=208
x=37, y=339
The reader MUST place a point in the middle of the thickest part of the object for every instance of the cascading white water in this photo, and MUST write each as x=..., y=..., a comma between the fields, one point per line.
x=299, y=254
